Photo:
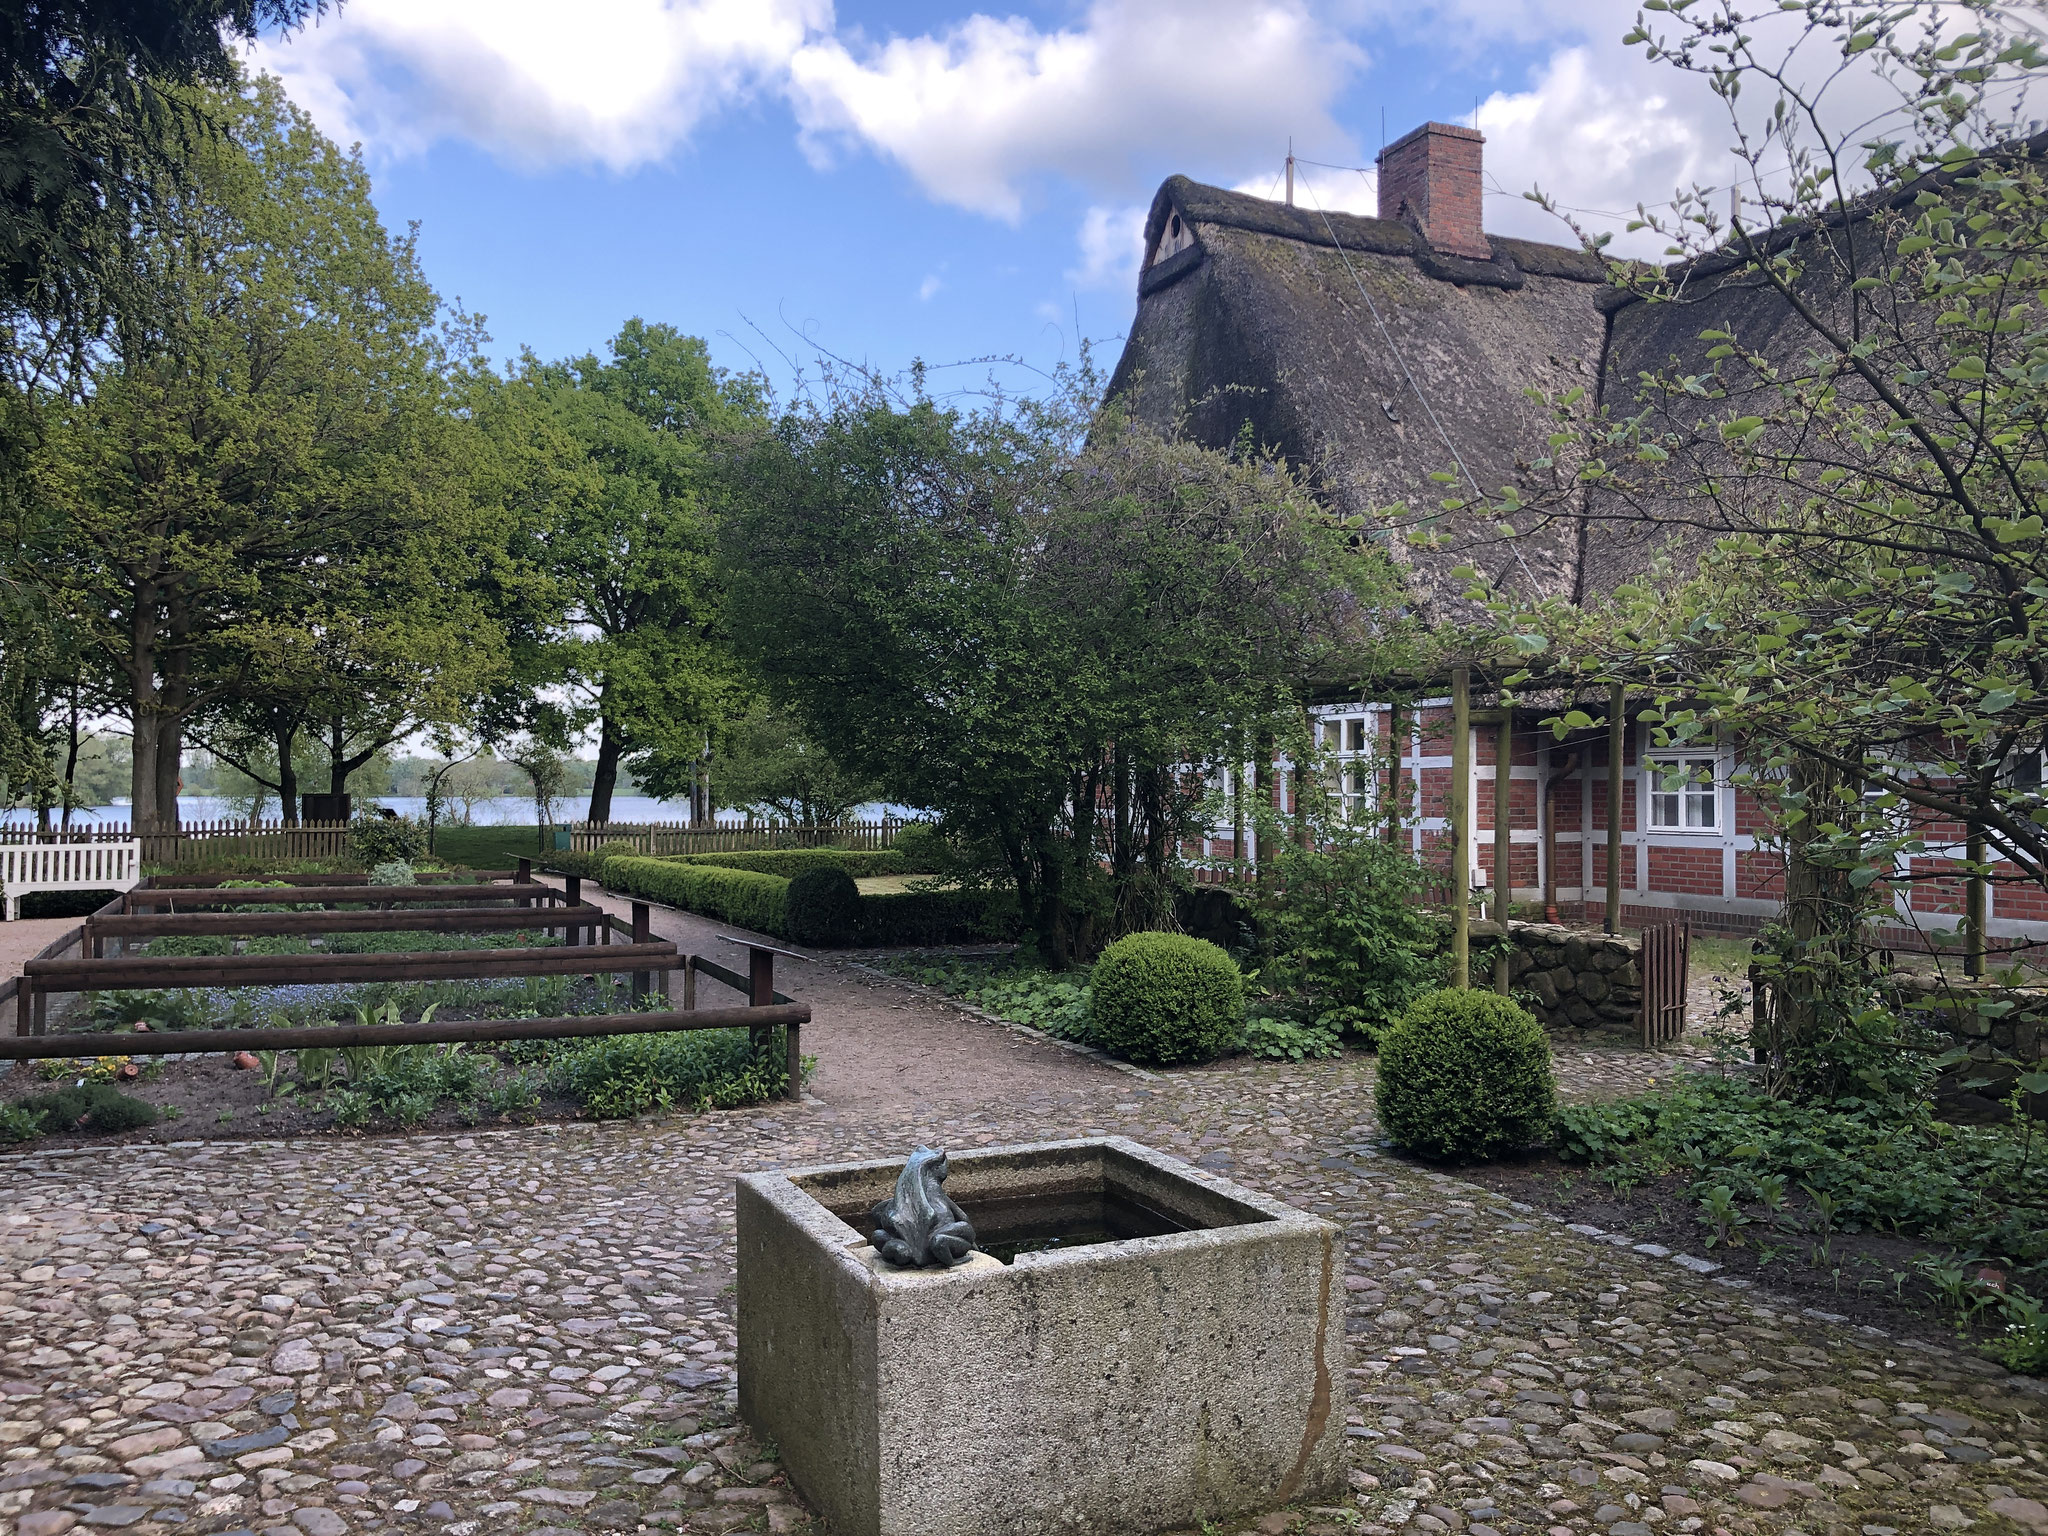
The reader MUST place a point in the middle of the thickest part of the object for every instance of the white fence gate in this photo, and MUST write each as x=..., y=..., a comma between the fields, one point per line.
x=26, y=867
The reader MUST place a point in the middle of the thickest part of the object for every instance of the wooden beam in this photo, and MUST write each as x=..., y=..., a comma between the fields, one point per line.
x=188, y=1042
x=1617, y=749
x=1461, y=827
x=358, y=895
x=314, y=970
x=1503, y=837
x=269, y=924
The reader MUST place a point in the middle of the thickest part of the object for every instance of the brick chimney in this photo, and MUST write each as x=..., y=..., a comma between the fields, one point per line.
x=1433, y=173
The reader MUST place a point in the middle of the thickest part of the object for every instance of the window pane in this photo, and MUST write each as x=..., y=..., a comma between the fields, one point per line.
x=1357, y=729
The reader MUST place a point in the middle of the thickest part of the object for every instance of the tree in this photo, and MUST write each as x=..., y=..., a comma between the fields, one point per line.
x=766, y=764
x=624, y=533
x=1838, y=463
x=266, y=479
x=96, y=126
x=1035, y=634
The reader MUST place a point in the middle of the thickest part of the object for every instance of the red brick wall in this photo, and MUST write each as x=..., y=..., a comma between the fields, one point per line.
x=1686, y=871
x=1435, y=173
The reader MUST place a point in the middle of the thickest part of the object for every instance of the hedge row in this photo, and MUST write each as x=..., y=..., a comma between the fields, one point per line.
x=791, y=862
x=751, y=899
x=742, y=897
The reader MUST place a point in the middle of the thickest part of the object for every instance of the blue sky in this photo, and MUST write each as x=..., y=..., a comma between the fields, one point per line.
x=926, y=180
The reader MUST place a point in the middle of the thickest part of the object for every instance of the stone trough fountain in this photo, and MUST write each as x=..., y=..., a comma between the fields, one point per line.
x=1077, y=1336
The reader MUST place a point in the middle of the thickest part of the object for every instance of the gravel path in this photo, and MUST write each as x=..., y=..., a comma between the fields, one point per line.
x=532, y=1329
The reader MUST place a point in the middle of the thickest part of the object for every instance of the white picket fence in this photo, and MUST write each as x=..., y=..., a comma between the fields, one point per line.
x=26, y=867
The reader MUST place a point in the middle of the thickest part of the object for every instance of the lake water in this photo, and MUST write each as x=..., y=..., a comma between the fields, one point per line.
x=504, y=810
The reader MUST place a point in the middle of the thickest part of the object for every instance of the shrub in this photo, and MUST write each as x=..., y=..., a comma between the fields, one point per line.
x=1465, y=1075
x=737, y=896
x=822, y=906
x=94, y=1107
x=904, y=919
x=922, y=848
x=791, y=862
x=589, y=863
x=374, y=840
x=393, y=872
x=65, y=903
x=1350, y=943
x=1166, y=997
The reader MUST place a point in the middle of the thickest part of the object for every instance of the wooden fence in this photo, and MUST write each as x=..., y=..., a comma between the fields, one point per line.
x=195, y=841
x=668, y=837
x=1666, y=949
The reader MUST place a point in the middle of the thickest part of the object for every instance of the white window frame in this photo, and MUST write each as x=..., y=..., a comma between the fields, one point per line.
x=1355, y=789
x=1682, y=803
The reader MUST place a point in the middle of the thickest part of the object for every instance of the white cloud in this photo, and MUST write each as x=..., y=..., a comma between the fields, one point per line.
x=1112, y=244
x=929, y=286
x=618, y=83
x=976, y=113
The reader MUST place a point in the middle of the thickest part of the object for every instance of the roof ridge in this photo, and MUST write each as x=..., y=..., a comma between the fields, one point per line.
x=1199, y=203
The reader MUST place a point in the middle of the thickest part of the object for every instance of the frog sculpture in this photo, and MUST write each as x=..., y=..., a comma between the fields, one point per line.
x=920, y=1227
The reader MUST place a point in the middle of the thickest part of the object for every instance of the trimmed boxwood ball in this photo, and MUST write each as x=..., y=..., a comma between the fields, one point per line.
x=1464, y=1076
x=822, y=907
x=1166, y=997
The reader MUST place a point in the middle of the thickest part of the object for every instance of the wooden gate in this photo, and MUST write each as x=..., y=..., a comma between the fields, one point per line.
x=1666, y=948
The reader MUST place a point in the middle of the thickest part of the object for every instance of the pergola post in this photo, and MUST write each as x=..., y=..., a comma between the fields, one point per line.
x=1976, y=905
x=1397, y=749
x=1503, y=836
x=1617, y=742
x=1461, y=827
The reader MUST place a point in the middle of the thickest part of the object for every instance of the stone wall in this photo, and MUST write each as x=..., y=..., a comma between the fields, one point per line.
x=1580, y=985
x=2009, y=1038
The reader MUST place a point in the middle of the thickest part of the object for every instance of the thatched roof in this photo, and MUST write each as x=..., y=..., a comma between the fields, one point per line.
x=1334, y=339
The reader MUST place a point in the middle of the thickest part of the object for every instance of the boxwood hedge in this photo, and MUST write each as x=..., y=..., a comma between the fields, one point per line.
x=739, y=896
x=791, y=862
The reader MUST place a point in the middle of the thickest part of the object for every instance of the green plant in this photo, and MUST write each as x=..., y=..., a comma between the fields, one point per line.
x=1285, y=1040
x=392, y=872
x=86, y=1069
x=1465, y=1075
x=821, y=906
x=2024, y=1344
x=89, y=1106
x=1165, y=997
x=18, y=1124
x=1722, y=1215
x=515, y=1095
x=1859, y=1163
x=617, y=1076
x=190, y=944
x=375, y=840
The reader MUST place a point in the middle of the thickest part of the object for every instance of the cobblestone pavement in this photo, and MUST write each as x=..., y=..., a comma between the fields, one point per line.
x=532, y=1330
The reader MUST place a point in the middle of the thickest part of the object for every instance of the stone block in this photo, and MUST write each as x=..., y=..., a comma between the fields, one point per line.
x=1519, y=963
x=1577, y=952
x=1540, y=984
x=1548, y=958
x=1129, y=1385
x=1627, y=976
x=1592, y=986
x=1579, y=1011
x=1563, y=979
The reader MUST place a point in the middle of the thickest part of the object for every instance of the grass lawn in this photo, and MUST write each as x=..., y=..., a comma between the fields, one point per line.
x=886, y=885
x=486, y=847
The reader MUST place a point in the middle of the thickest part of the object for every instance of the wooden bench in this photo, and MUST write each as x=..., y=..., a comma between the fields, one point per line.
x=27, y=867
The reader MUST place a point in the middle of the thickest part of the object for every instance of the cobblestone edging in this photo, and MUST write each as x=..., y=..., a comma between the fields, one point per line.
x=531, y=1330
